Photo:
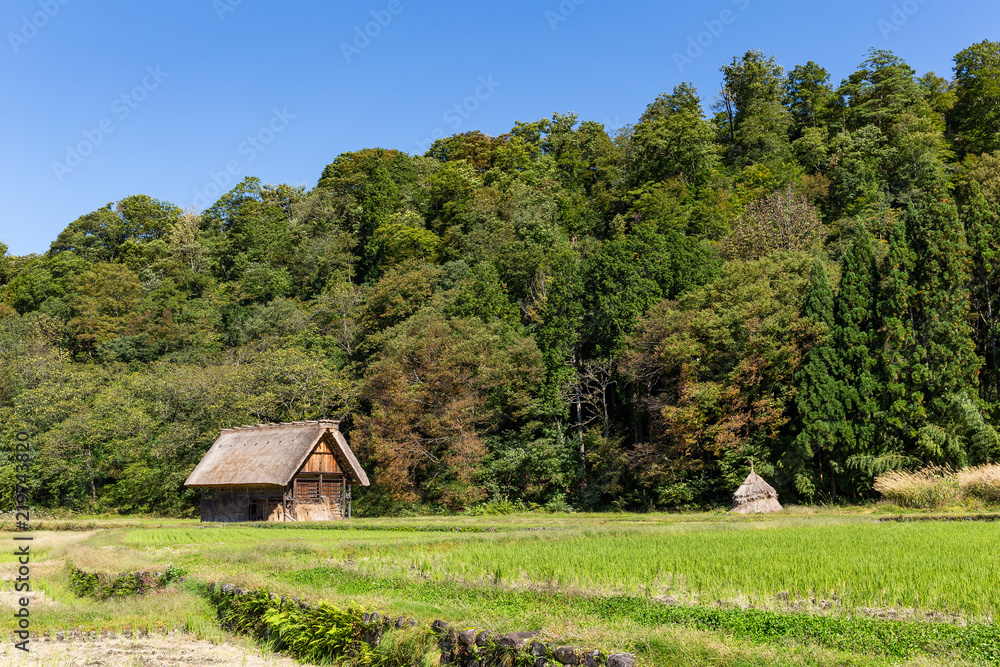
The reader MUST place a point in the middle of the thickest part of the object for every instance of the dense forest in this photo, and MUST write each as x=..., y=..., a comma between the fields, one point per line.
x=805, y=274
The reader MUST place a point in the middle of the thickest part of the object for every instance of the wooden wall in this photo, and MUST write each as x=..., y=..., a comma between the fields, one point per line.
x=325, y=489
x=321, y=460
x=242, y=503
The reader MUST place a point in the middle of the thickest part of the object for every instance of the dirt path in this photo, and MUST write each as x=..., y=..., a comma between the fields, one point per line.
x=152, y=651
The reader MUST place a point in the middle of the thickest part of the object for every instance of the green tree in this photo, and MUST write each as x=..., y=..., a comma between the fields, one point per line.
x=754, y=122
x=946, y=363
x=100, y=236
x=982, y=226
x=891, y=136
x=559, y=320
x=484, y=296
x=104, y=300
x=976, y=114
x=378, y=196
x=809, y=96
x=946, y=355
x=474, y=148
x=817, y=397
x=145, y=218
x=855, y=342
x=629, y=274
x=901, y=402
x=673, y=139
x=94, y=237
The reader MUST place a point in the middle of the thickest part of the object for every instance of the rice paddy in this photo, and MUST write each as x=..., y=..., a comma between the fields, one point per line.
x=944, y=567
x=531, y=568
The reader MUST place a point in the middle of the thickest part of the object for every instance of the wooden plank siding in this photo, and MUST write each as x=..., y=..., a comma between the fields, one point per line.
x=321, y=460
x=233, y=504
x=311, y=489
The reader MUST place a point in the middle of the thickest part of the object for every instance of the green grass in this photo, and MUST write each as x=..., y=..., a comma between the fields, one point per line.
x=870, y=636
x=852, y=565
x=594, y=580
x=942, y=567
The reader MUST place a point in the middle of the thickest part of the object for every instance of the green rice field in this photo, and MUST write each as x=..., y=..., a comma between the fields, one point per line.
x=652, y=584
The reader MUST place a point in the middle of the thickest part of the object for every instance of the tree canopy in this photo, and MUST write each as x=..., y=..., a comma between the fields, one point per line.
x=808, y=275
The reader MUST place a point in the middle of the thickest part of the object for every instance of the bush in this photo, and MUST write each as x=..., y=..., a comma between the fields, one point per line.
x=981, y=482
x=497, y=507
x=102, y=586
x=320, y=634
x=927, y=488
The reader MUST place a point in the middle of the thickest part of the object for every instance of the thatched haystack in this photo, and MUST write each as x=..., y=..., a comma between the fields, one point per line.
x=755, y=496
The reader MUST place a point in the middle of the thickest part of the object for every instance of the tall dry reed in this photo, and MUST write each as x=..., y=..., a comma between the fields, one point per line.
x=981, y=482
x=933, y=486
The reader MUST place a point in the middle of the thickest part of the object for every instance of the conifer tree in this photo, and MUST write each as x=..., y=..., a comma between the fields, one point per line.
x=816, y=402
x=946, y=360
x=982, y=226
x=854, y=340
x=900, y=404
x=945, y=363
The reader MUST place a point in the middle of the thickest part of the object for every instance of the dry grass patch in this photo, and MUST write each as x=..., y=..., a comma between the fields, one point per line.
x=981, y=482
x=935, y=486
x=929, y=487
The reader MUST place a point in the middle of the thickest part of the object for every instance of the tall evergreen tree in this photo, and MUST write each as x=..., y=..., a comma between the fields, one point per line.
x=982, y=226
x=854, y=339
x=946, y=363
x=816, y=402
x=976, y=114
x=941, y=277
x=900, y=404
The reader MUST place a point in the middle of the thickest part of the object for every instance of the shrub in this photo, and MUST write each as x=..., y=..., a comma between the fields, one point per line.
x=319, y=634
x=499, y=506
x=981, y=482
x=929, y=487
x=103, y=586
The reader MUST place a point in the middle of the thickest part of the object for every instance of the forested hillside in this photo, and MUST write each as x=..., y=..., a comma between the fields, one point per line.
x=807, y=274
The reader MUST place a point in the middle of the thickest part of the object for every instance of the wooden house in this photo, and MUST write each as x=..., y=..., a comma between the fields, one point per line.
x=300, y=471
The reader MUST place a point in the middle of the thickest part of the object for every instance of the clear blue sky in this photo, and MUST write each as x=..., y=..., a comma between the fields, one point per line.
x=156, y=96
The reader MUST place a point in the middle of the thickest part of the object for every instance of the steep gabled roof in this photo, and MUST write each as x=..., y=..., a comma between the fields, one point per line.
x=271, y=454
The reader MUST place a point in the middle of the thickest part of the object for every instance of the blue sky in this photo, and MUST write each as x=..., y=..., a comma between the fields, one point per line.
x=180, y=100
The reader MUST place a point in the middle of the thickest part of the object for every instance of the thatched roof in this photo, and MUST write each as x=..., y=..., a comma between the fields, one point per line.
x=271, y=454
x=755, y=496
